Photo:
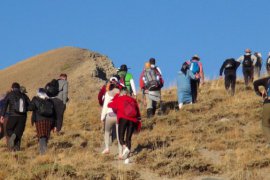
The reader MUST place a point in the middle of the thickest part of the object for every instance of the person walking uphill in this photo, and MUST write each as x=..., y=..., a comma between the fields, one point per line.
x=229, y=67
x=152, y=62
x=151, y=83
x=265, y=94
x=58, y=91
x=127, y=79
x=18, y=105
x=42, y=118
x=196, y=68
x=268, y=64
x=258, y=65
x=128, y=118
x=248, y=61
x=108, y=116
x=184, y=85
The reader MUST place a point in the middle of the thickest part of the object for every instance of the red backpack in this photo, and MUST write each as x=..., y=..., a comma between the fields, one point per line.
x=130, y=109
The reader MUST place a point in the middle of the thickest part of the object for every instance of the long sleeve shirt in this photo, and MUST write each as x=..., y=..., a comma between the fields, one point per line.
x=229, y=66
x=261, y=82
x=63, y=91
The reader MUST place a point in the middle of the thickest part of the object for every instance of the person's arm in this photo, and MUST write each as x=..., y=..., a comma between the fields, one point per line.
x=260, y=82
x=240, y=59
x=222, y=68
x=65, y=92
x=133, y=87
x=105, y=107
x=201, y=72
x=254, y=59
x=5, y=106
x=159, y=71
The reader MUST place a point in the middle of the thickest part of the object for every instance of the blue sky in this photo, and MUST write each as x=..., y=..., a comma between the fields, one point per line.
x=131, y=32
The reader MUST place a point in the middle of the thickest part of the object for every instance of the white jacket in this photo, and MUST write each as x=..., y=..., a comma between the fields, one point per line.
x=107, y=99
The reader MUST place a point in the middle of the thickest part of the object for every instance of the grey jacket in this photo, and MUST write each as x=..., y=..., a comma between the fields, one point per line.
x=63, y=91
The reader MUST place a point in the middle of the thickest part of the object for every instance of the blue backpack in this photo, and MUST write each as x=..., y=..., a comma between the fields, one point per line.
x=194, y=67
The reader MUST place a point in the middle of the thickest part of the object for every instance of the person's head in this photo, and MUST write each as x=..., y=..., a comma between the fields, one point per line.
x=15, y=86
x=41, y=93
x=63, y=76
x=269, y=54
x=184, y=67
x=152, y=62
x=124, y=91
x=195, y=57
x=247, y=50
x=114, y=80
x=23, y=89
x=147, y=65
x=123, y=67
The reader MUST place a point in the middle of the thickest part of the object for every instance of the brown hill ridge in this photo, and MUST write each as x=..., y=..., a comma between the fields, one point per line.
x=78, y=63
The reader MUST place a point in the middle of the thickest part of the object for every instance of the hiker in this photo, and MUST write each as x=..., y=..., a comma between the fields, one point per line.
x=268, y=64
x=108, y=116
x=265, y=94
x=258, y=65
x=128, y=118
x=42, y=118
x=248, y=61
x=151, y=83
x=152, y=62
x=59, y=97
x=127, y=79
x=184, y=85
x=229, y=67
x=196, y=68
x=18, y=104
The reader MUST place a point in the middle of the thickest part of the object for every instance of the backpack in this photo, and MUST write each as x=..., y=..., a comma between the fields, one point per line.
x=229, y=64
x=130, y=109
x=20, y=104
x=268, y=61
x=52, y=88
x=247, y=62
x=194, y=67
x=151, y=79
x=45, y=107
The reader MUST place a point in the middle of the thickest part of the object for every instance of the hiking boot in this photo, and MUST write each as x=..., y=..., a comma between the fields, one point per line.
x=11, y=141
x=125, y=153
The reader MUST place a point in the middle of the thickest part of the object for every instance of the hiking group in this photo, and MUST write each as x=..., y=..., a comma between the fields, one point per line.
x=120, y=114
x=47, y=108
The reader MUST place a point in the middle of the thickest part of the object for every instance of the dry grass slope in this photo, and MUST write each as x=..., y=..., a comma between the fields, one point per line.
x=218, y=137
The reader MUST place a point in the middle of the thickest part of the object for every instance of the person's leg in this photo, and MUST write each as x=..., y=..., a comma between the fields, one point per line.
x=130, y=129
x=120, y=147
x=233, y=82
x=19, y=130
x=227, y=82
x=11, y=126
x=149, y=106
x=246, y=76
x=59, y=113
x=193, y=90
x=109, y=122
x=42, y=145
x=121, y=131
x=266, y=121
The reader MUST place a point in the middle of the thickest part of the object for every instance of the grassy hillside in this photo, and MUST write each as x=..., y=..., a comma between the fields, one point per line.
x=218, y=137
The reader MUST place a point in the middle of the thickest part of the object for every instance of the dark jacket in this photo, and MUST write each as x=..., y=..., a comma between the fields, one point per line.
x=261, y=82
x=36, y=116
x=229, y=66
x=9, y=103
